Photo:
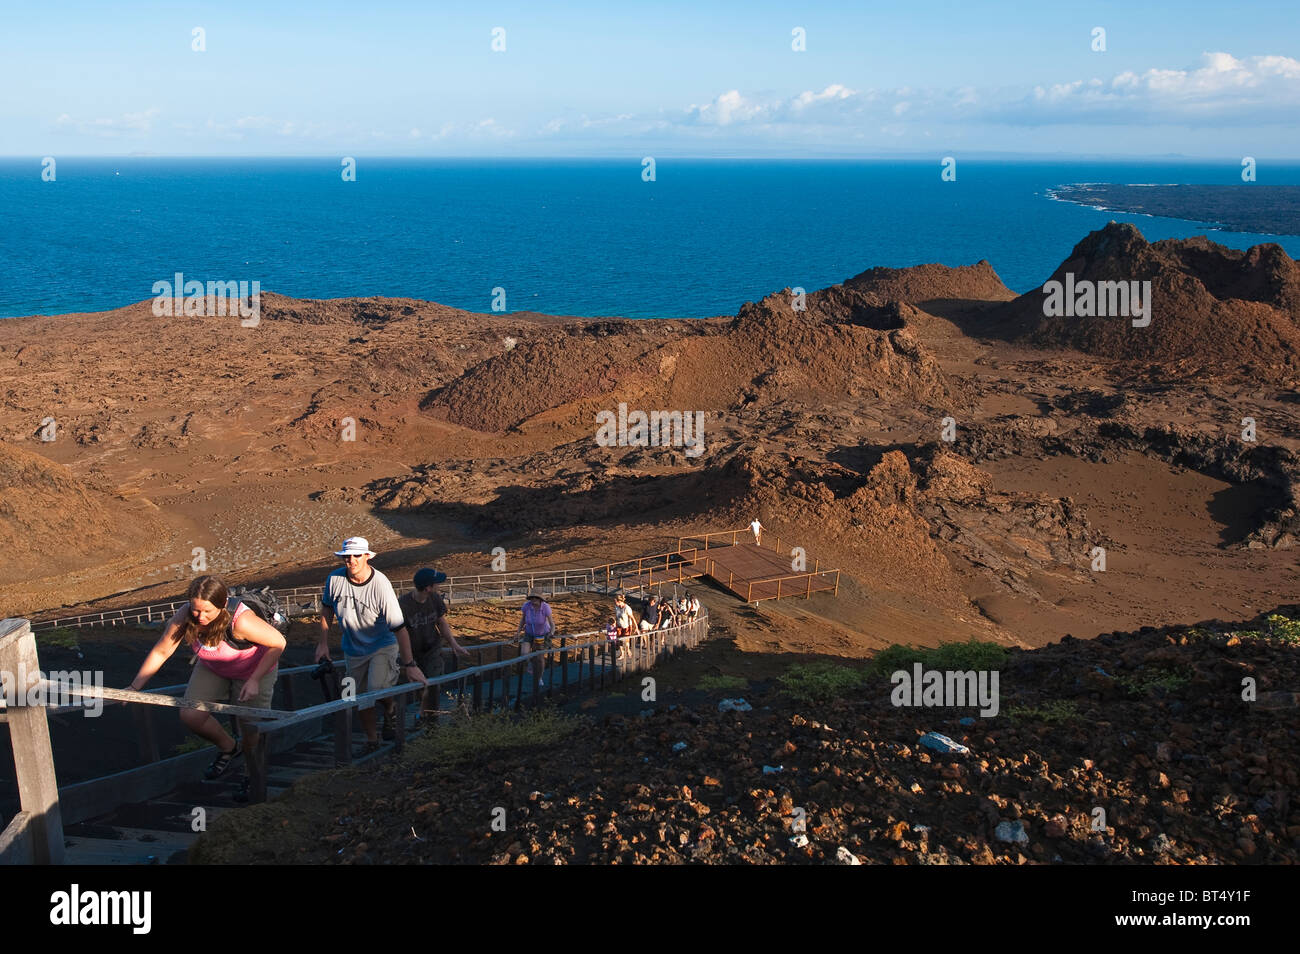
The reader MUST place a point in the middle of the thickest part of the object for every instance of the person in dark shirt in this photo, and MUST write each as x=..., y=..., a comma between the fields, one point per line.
x=425, y=612
x=667, y=615
x=650, y=618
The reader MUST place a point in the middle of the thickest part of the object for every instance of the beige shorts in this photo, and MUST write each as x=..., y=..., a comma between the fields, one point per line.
x=206, y=686
x=376, y=671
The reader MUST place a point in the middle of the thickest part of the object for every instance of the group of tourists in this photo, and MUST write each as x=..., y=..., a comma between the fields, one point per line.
x=657, y=614
x=386, y=640
x=236, y=651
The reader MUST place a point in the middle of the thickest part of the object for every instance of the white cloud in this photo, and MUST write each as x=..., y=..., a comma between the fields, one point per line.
x=483, y=129
x=728, y=108
x=1221, y=88
x=141, y=122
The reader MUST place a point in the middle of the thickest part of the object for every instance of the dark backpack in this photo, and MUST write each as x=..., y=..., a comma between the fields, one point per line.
x=262, y=602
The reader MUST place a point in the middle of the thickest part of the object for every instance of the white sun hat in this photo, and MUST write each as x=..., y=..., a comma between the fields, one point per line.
x=355, y=546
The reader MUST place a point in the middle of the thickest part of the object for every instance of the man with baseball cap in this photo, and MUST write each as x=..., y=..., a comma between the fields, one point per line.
x=425, y=612
x=376, y=642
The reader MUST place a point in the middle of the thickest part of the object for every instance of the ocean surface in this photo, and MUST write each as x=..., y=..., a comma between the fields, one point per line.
x=568, y=237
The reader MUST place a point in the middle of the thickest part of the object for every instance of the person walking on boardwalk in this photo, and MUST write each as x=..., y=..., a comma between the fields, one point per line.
x=624, y=618
x=376, y=641
x=667, y=616
x=650, y=618
x=535, y=626
x=690, y=606
x=236, y=657
x=758, y=531
x=425, y=613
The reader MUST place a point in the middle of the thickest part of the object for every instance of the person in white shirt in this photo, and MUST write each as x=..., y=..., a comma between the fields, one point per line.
x=758, y=531
x=624, y=619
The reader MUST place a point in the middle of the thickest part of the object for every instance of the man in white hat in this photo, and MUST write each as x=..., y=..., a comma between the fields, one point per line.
x=376, y=642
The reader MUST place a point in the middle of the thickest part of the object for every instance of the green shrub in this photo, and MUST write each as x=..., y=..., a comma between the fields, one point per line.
x=191, y=744
x=1146, y=681
x=722, y=682
x=64, y=637
x=471, y=736
x=972, y=654
x=820, y=682
x=1280, y=627
x=1053, y=712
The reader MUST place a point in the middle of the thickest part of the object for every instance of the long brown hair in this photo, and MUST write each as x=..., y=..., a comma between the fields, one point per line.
x=212, y=590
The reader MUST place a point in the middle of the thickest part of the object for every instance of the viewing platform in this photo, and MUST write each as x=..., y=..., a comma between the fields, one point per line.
x=755, y=572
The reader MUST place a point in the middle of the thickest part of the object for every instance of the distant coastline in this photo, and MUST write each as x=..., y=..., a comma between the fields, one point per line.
x=1271, y=210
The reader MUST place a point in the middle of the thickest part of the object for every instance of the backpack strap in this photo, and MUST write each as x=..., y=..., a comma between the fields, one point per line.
x=230, y=637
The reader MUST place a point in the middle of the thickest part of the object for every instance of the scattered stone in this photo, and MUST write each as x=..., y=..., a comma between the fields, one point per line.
x=1012, y=832
x=941, y=743
x=734, y=705
x=845, y=857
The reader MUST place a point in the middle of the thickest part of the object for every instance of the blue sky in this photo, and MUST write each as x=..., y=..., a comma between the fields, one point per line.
x=660, y=78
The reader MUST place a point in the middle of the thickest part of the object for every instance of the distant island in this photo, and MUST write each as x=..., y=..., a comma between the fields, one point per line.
x=1235, y=208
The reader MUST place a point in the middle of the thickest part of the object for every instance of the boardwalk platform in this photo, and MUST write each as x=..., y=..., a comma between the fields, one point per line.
x=753, y=572
x=646, y=572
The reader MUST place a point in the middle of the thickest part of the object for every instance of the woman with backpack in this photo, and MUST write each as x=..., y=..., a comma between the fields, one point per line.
x=236, y=653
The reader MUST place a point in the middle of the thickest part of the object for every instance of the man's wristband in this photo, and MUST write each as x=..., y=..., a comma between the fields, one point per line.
x=407, y=665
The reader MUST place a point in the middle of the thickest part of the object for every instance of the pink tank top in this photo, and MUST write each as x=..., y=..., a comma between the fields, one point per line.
x=228, y=662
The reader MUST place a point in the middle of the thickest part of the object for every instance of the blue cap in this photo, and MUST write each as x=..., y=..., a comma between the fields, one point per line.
x=428, y=577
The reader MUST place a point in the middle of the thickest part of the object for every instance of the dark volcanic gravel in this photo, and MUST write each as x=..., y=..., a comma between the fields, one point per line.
x=1151, y=728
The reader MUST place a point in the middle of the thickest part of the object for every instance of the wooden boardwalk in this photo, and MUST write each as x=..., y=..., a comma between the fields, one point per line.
x=674, y=568
x=755, y=572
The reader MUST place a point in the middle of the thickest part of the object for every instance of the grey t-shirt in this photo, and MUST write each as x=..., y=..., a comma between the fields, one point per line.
x=368, y=612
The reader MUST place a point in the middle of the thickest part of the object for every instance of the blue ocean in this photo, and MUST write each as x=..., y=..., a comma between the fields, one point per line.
x=568, y=237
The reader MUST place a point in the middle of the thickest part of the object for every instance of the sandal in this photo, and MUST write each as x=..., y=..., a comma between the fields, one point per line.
x=221, y=764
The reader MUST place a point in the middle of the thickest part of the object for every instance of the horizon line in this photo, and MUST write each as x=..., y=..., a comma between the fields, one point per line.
x=987, y=155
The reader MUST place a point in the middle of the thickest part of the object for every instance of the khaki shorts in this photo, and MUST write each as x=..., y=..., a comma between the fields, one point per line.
x=376, y=671
x=206, y=686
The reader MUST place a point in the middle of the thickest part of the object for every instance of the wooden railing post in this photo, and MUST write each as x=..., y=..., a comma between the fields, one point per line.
x=255, y=764
x=29, y=734
x=343, y=737
x=144, y=728
x=399, y=722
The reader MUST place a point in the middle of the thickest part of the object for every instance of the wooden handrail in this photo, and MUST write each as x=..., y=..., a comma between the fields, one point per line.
x=35, y=834
x=281, y=718
x=517, y=578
